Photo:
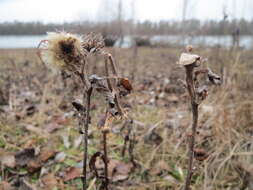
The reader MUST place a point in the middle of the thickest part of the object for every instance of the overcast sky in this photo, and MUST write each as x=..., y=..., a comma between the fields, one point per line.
x=155, y=10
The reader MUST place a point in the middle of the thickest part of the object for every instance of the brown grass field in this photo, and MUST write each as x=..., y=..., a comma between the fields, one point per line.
x=40, y=144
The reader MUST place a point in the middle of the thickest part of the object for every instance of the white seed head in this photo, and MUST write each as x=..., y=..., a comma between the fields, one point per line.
x=62, y=51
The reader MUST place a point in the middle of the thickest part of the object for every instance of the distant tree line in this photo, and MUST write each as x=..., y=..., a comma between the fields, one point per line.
x=189, y=27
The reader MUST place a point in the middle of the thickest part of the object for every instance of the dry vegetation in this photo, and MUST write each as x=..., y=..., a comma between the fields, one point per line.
x=40, y=144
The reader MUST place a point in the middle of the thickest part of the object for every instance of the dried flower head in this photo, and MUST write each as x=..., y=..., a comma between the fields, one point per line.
x=93, y=42
x=62, y=50
x=189, y=48
x=188, y=59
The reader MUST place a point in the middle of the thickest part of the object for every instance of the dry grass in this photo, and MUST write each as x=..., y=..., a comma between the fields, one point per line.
x=161, y=122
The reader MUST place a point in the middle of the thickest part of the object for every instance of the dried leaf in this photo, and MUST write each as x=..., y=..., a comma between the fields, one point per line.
x=159, y=168
x=126, y=84
x=8, y=160
x=118, y=170
x=213, y=78
x=72, y=173
x=34, y=166
x=79, y=107
x=202, y=93
x=49, y=181
x=46, y=154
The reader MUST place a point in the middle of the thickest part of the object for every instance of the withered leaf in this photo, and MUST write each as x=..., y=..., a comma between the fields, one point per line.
x=79, y=107
x=118, y=170
x=49, y=181
x=202, y=93
x=46, y=154
x=126, y=84
x=213, y=78
x=8, y=160
x=72, y=173
x=98, y=83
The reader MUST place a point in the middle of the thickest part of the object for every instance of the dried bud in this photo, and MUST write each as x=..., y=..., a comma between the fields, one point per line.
x=105, y=122
x=200, y=154
x=189, y=48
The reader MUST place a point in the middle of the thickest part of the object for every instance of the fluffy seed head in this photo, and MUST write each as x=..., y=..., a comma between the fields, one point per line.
x=62, y=50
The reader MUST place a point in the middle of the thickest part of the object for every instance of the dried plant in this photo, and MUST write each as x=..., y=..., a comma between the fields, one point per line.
x=69, y=53
x=197, y=94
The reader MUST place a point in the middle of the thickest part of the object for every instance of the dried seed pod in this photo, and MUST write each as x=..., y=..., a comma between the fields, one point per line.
x=200, y=154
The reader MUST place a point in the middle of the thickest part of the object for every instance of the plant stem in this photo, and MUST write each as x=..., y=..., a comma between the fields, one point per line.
x=194, y=106
x=85, y=137
x=106, y=160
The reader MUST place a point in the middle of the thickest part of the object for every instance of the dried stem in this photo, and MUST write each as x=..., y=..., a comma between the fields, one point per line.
x=194, y=105
x=85, y=137
x=106, y=182
x=117, y=102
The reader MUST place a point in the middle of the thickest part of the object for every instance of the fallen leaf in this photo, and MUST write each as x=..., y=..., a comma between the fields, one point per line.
x=49, y=181
x=118, y=171
x=8, y=160
x=33, y=166
x=126, y=84
x=72, y=173
x=46, y=154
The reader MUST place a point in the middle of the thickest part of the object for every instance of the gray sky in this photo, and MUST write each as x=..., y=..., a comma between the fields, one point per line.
x=155, y=10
